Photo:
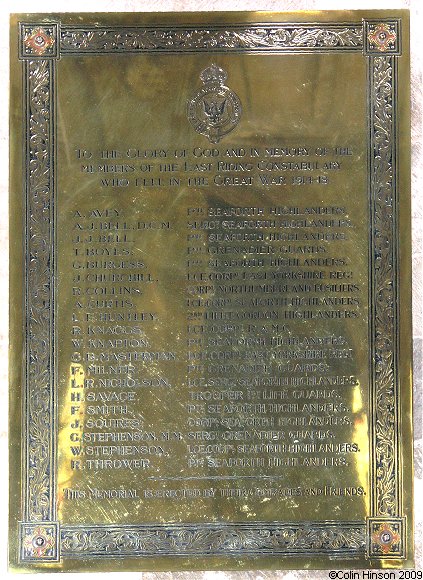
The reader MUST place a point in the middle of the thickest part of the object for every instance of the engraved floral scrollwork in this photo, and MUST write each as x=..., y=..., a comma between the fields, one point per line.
x=235, y=38
x=208, y=539
x=383, y=189
x=39, y=293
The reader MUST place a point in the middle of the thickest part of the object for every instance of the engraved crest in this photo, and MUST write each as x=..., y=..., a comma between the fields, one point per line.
x=214, y=110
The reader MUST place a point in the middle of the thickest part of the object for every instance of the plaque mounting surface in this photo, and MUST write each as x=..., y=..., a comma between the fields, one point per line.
x=215, y=295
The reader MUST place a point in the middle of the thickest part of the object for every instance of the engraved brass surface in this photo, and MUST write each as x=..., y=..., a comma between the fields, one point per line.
x=215, y=291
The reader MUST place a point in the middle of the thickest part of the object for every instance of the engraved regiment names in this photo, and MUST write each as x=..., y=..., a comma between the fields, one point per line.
x=245, y=337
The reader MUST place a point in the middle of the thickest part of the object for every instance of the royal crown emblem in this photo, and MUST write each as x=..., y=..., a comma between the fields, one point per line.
x=214, y=110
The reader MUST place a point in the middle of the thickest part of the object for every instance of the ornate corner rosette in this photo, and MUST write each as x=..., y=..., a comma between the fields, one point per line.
x=382, y=37
x=386, y=538
x=40, y=45
x=38, y=41
x=39, y=542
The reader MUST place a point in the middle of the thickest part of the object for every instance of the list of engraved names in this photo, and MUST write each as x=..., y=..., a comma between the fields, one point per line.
x=215, y=325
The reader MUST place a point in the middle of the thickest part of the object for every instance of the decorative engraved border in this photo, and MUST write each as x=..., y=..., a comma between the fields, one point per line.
x=39, y=429
x=236, y=38
x=39, y=416
x=40, y=393
x=341, y=539
x=383, y=260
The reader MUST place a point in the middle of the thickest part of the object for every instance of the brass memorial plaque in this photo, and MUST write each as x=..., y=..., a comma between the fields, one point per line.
x=210, y=291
